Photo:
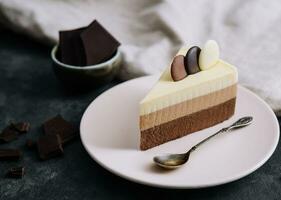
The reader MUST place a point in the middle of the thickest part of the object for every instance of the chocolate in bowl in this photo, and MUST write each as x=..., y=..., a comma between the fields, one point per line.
x=84, y=77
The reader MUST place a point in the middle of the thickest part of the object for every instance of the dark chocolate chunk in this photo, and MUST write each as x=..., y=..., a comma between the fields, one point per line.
x=8, y=135
x=178, y=71
x=98, y=43
x=10, y=154
x=61, y=127
x=86, y=46
x=191, y=60
x=49, y=146
x=21, y=127
x=30, y=144
x=71, y=48
x=15, y=172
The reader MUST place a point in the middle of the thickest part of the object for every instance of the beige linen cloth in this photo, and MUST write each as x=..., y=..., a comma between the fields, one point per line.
x=151, y=31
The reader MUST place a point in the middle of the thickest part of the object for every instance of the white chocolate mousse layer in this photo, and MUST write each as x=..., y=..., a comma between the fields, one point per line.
x=166, y=92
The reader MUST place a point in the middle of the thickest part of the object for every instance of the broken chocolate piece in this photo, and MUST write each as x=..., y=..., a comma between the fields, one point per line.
x=191, y=60
x=21, y=127
x=16, y=172
x=178, y=71
x=71, y=47
x=61, y=127
x=98, y=43
x=49, y=146
x=30, y=144
x=8, y=135
x=10, y=154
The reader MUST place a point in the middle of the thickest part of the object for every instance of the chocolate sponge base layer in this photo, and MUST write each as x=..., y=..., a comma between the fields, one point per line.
x=185, y=125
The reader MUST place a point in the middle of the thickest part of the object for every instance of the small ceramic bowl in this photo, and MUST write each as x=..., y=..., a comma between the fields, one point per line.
x=86, y=76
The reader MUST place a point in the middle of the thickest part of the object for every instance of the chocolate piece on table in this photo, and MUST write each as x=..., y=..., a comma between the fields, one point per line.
x=191, y=60
x=10, y=154
x=59, y=126
x=22, y=127
x=71, y=48
x=49, y=146
x=178, y=71
x=98, y=43
x=16, y=172
x=30, y=144
x=8, y=135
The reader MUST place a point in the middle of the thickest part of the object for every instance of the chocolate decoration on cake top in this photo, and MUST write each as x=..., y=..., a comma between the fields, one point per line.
x=178, y=71
x=191, y=60
x=182, y=66
x=209, y=55
x=195, y=60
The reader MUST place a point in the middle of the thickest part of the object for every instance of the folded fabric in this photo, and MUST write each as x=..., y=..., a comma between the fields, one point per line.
x=152, y=31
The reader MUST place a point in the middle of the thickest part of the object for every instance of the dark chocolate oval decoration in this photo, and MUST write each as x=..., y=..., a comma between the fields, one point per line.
x=191, y=60
x=178, y=71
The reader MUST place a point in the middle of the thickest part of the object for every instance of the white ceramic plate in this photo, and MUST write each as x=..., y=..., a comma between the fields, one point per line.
x=110, y=134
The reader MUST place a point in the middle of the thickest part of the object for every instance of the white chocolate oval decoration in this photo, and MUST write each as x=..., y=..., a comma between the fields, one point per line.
x=209, y=55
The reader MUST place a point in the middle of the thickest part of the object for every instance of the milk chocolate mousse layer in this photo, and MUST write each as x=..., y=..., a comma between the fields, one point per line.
x=187, y=107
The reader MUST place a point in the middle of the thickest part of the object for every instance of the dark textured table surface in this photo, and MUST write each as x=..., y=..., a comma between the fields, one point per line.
x=29, y=91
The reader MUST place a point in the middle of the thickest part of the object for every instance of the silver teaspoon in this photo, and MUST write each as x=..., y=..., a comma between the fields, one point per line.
x=172, y=161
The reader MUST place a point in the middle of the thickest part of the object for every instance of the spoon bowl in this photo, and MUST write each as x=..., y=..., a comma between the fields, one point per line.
x=172, y=161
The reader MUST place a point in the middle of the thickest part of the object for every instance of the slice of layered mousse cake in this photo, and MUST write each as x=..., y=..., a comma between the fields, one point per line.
x=197, y=91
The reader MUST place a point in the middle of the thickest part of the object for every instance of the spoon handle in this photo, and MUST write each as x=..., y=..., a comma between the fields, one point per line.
x=242, y=122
